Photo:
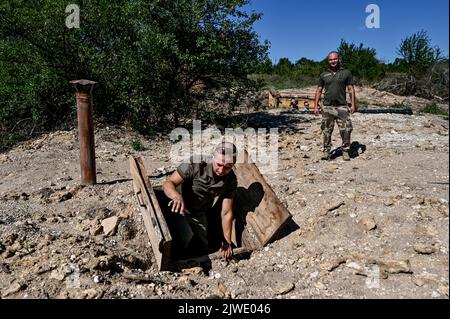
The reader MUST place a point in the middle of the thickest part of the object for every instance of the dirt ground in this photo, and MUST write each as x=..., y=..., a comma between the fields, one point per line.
x=374, y=227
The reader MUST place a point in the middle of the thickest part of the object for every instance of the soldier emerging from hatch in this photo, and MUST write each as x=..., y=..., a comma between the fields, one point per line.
x=335, y=81
x=192, y=190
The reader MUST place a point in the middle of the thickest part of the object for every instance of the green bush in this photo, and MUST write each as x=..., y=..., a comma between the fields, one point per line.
x=361, y=61
x=361, y=104
x=433, y=108
x=279, y=82
x=417, y=54
x=137, y=145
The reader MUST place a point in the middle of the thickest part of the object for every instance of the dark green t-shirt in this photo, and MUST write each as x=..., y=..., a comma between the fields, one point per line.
x=335, y=85
x=200, y=187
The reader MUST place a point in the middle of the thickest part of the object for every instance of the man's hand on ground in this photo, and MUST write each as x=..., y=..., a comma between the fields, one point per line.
x=352, y=109
x=226, y=250
x=177, y=205
x=316, y=111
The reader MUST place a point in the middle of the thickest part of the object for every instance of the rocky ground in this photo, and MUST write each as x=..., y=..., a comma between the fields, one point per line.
x=374, y=227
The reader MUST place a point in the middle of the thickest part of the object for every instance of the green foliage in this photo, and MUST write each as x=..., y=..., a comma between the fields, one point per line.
x=302, y=68
x=416, y=54
x=309, y=68
x=361, y=61
x=137, y=145
x=433, y=108
x=278, y=82
x=361, y=104
x=284, y=66
x=265, y=67
x=147, y=57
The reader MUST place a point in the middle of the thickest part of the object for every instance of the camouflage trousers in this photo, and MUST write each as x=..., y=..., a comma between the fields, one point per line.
x=341, y=115
x=183, y=229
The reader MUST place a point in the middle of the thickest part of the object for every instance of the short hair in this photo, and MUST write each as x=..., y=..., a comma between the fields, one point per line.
x=333, y=52
x=226, y=149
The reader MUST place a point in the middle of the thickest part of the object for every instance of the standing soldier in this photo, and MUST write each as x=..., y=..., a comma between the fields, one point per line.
x=335, y=81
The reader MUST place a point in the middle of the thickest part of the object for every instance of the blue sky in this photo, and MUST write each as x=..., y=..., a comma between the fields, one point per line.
x=298, y=28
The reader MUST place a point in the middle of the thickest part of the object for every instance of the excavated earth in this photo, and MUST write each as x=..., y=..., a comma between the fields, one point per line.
x=374, y=227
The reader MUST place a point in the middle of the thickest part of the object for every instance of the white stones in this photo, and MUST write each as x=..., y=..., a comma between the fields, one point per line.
x=424, y=249
x=15, y=287
x=305, y=148
x=283, y=287
x=313, y=275
x=435, y=294
x=98, y=279
x=368, y=222
x=110, y=225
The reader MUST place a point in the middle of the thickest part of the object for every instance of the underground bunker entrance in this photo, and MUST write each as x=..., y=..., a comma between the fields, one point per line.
x=258, y=217
x=178, y=226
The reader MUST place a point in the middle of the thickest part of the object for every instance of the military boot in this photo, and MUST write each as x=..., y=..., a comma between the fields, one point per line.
x=346, y=155
x=326, y=156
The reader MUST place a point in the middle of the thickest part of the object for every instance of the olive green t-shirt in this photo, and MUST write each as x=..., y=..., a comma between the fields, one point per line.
x=335, y=85
x=200, y=187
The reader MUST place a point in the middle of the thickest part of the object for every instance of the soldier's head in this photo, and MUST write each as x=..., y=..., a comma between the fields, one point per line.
x=333, y=59
x=224, y=157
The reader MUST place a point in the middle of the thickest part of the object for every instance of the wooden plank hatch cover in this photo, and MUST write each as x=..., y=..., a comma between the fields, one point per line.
x=155, y=223
x=258, y=202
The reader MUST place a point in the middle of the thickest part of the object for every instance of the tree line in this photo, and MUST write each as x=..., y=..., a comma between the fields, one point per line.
x=416, y=56
x=155, y=61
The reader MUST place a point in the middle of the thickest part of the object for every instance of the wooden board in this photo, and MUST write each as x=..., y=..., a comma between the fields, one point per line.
x=258, y=204
x=283, y=99
x=155, y=223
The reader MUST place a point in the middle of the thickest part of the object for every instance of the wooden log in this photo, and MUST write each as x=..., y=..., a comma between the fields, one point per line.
x=257, y=203
x=155, y=223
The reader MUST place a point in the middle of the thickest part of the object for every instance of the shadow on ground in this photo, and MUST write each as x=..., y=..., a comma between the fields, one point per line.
x=355, y=150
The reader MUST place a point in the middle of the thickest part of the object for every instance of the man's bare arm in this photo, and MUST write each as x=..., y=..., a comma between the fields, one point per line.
x=351, y=89
x=317, y=99
x=169, y=187
x=227, y=225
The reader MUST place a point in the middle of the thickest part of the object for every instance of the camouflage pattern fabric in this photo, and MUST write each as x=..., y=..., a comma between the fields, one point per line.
x=341, y=115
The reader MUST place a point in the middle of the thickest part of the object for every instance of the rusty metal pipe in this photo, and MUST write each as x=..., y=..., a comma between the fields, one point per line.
x=86, y=131
x=86, y=136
